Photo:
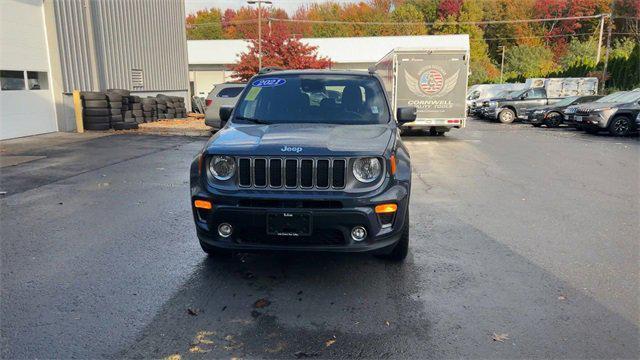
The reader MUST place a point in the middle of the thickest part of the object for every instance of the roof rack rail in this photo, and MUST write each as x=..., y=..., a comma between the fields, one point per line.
x=266, y=70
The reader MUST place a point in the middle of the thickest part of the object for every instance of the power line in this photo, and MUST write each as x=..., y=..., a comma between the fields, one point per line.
x=486, y=22
x=533, y=37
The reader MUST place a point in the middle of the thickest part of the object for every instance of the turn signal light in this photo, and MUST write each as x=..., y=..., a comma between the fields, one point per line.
x=203, y=204
x=386, y=208
x=392, y=161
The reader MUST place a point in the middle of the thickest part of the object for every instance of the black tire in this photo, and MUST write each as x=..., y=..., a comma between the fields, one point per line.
x=128, y=114
x=171, y=105
x=115, y=105
x=149, y=101
x=139, y=119
x=136, y=106
x=147, y=113
x=553, y=120
x=507, y=116
x=146, y=107
x=95, y=112
x=162, y=107
x=401, y=249
x=100, y=104
x=134, y=99
x=114, y=97
x=137, y=112
x=116, y=118
x=125, y=126
x=97, y=119
x=620, y=126
x=90, y=126
x=93, y=95
x=115, y=111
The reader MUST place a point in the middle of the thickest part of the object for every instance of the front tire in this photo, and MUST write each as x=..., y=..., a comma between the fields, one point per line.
x=554, y=120
x=620, y=126
x=401, y=249
x=507, y=116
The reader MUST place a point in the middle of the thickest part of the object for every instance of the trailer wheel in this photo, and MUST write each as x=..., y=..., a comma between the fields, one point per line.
x=506, y=116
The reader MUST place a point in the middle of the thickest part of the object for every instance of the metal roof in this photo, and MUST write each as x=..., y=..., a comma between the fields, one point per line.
x=339, y=50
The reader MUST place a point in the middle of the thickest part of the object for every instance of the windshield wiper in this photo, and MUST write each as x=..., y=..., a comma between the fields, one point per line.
x=252, y=120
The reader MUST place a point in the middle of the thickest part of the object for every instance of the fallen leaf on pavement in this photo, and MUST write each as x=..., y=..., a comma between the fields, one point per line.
x=173, y=357
x=500, y=337
x=192, y=312
x=387, y=323
x=261, y=303
x=197, y=349
x=562, y=297
x=330, y=341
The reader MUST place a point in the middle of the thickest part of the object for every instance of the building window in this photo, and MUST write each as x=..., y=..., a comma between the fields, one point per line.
x=37, y=80
x=12, y=80
x=137, y=81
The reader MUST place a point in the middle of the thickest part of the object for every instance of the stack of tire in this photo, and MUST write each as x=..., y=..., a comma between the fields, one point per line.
x=171, y=108
x=136, y=108
x=150, y=109
x=96, y=114
x=119, y=100
x=180, y=108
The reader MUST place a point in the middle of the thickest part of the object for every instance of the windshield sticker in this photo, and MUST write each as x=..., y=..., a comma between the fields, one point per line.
x=252, y=94
x=268, y=82
x=374, y=109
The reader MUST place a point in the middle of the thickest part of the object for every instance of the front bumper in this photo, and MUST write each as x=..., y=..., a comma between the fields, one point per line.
x=535, y=118
x=593, y=120
x=332, y=217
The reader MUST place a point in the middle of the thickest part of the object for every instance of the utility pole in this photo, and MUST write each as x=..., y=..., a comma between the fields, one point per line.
x=607, y=50
x=502, y=64
x=602, y=16
x=259, y=2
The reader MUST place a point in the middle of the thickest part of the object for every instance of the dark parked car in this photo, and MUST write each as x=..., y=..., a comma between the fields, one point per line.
x=553, y=115
x=614, y=113
x=292, y=173
x=507, y=110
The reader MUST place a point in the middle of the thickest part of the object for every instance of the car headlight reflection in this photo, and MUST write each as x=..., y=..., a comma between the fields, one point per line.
x=222, y=167
x=367, y=169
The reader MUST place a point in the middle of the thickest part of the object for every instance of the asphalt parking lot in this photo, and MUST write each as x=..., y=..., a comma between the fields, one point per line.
x=524, y=245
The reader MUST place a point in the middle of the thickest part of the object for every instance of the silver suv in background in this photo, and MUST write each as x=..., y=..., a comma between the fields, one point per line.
x=221, y=95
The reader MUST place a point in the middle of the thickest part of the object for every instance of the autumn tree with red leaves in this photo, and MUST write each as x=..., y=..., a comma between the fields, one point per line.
x=279, y=49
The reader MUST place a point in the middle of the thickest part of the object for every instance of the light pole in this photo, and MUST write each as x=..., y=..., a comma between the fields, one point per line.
x=259, y=2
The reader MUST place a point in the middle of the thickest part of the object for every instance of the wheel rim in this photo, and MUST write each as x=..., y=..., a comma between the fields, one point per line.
x=507, y=116
x=621, y=127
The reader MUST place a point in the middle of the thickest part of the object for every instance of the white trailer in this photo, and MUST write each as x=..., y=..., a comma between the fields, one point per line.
x=433, y=78
x=564, y=87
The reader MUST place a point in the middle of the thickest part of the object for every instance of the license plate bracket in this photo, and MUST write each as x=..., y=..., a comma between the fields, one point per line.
x=289, y=223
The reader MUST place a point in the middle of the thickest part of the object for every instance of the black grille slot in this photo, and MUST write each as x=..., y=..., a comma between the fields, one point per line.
x=244, y=172
x=275, y=172
x=260, y=172
x=322, y=174
x=306, y=173
x=338, y=173
x=291, y=173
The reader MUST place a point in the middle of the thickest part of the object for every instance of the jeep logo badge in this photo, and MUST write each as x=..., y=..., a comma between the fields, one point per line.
x=294, y=149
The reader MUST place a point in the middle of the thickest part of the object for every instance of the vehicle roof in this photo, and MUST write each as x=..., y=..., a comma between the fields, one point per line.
x=315, y=72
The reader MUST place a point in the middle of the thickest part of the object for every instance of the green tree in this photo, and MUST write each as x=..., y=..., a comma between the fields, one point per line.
x=408, y=13
x=580, y=53
x=528, y=61
x=204, y=25
x=428, y=8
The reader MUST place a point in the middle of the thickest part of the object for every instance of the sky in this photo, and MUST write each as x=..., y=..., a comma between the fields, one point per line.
x=290, y=6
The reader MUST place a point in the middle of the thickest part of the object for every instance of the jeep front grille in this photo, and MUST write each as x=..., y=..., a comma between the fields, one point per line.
x=292, y=173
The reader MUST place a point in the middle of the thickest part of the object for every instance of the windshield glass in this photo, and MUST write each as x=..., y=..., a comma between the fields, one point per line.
x=627, y=97
x=611, y=97
x=333, y=99
x=566, y=101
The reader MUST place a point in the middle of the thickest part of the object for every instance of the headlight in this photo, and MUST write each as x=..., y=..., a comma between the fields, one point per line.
x=538, y=111
x=367, y=169
x=222, y=167
x=493, y=104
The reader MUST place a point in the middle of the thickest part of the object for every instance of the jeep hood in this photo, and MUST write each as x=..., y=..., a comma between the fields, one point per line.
x=301, y=139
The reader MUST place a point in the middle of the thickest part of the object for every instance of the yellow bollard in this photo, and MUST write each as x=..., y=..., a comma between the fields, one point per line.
x=77, y=106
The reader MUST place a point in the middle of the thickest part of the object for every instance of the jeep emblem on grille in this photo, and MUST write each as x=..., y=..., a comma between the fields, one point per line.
x=286, y=148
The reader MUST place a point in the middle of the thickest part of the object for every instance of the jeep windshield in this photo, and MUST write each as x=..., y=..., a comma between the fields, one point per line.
x=313, y=98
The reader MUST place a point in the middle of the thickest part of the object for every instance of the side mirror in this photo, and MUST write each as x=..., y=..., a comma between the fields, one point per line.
x=523, y=97
x=225, y=113
x=406, y=114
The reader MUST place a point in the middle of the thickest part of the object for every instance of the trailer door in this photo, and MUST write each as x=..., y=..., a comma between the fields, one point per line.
x=435, y=83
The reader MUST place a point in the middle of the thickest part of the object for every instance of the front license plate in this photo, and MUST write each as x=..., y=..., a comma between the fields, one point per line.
x=578, y=118
x=289, y=224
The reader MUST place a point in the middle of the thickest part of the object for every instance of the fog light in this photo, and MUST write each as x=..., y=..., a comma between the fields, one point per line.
x=358, y=233
x=225, y=230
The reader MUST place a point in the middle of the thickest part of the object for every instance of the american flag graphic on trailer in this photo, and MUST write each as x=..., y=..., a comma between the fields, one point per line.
x=431, y=81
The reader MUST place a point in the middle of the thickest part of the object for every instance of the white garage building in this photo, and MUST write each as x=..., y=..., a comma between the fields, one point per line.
x=209, y=60
x=49, y=48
